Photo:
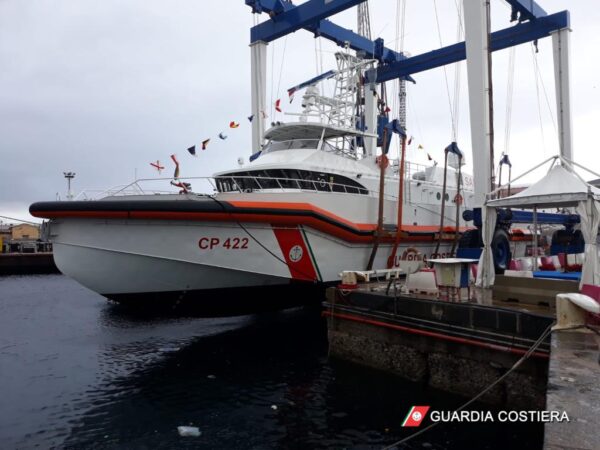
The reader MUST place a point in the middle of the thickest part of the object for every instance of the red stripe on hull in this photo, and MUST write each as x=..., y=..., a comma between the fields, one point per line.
x=296, y=254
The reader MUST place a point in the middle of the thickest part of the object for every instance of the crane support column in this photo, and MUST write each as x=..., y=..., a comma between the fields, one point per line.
x=370, y=118
x=258, y=67
x=476, y=40
x=562, y=72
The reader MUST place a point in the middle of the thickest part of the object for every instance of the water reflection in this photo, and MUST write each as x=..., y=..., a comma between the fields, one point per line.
x=79, y=373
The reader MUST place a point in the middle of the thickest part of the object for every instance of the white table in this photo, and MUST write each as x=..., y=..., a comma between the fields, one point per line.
x=451, y=275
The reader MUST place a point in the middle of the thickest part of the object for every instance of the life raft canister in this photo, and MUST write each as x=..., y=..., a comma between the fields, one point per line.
x=382, y=159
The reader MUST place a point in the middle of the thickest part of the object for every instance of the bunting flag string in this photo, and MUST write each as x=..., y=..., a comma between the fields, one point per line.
x=157, y=166
x=291, y=92
x=186, y=187
x=176, y=174
x=253, y=156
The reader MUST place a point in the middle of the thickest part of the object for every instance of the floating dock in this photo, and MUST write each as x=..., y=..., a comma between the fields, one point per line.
x=27, y=263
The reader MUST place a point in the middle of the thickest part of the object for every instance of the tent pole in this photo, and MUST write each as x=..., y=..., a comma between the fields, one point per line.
x=523, y=174
x=535, y=240
x=587, y=169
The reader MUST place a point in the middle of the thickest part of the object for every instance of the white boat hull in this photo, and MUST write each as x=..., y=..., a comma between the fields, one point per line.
x=137, y=258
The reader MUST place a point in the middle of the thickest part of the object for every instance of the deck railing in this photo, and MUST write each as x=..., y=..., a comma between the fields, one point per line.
x=229, y=184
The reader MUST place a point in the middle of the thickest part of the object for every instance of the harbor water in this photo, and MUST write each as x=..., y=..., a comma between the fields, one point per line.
x=79, y=372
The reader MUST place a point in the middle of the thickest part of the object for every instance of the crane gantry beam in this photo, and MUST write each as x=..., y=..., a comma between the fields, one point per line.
x=508, y=37
x=287, y=18
x=527, y=9
x=294, y=18
x=311, y=15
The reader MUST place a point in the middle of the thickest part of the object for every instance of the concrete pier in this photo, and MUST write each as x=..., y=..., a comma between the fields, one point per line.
x=463, y=347
x=457, y=347
x=574, y=387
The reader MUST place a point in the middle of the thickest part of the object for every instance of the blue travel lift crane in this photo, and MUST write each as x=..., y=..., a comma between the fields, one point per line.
x=532, y=23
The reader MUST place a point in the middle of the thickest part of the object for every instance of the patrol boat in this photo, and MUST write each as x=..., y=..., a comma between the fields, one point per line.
x=308, y=205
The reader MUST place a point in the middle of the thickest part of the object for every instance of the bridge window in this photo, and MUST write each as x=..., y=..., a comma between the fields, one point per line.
x=249, y=181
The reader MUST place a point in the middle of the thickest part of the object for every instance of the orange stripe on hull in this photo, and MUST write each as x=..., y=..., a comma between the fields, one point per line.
x=346, y=230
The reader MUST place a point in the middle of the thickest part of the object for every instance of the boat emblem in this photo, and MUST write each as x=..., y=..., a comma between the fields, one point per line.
x=296, y=253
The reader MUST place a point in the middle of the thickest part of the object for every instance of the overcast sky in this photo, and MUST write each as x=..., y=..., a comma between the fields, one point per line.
x=104, y=88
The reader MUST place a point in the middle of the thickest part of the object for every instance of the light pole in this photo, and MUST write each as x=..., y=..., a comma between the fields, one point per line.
x=69, y=176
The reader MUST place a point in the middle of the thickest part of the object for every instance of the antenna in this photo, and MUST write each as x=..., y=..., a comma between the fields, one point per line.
x=69, y=176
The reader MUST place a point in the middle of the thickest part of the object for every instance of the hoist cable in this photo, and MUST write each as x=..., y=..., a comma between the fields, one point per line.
x=541, y=80
x=457, y=73
x=537, y=92
x=272, y=78
x=509, y=99
x=281, y=68
x=437, y=20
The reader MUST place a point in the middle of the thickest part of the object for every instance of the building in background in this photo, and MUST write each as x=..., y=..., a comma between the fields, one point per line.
x=5, y=235
x=22, y=238
x=25, y=232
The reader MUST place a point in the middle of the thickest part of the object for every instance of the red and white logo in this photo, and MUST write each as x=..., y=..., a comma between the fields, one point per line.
x=296, y=253
x=415, y=416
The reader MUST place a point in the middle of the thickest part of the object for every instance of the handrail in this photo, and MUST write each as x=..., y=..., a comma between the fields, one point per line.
x=315, y=186
x=136, y=188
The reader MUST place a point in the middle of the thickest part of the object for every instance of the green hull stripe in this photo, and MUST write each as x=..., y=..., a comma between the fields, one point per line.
x=312, y=255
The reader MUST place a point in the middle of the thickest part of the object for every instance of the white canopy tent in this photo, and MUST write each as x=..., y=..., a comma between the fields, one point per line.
x=561, y=187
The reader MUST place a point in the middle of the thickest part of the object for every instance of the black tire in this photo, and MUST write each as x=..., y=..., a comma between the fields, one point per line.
x=470, y=239
x=501, y=250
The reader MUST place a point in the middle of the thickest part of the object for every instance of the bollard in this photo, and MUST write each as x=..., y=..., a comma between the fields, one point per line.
x=571, y=310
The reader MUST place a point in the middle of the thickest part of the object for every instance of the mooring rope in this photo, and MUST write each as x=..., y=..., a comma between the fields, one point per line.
x=526, y=355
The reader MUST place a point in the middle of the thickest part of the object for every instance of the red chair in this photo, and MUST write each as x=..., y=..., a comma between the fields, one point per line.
x=474, y=270
x=563, y=260
x=571, y=263
x=515, y=264
x=546, y=263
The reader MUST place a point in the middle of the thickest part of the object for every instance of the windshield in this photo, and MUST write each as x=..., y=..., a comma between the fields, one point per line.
x=274, y=146
x=288, y=179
